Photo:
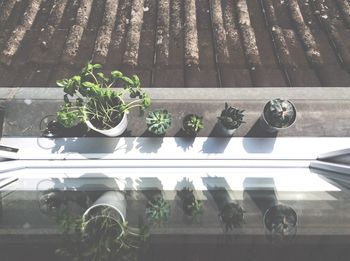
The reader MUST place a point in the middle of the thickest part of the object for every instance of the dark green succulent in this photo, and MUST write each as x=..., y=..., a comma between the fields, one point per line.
x=191, y=206
x=231, y=117
x=232, y=215
x=158, y=121
x=158, y=211
x=279, y=113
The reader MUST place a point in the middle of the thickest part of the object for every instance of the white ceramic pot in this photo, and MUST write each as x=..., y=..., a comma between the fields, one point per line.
x=116, y=131
x=112, y=199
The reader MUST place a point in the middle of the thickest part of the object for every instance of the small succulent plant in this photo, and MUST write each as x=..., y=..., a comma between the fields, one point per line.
x=193, y=124
x=281, y=221
x=279, y=113
x=158, y=122
x=231, y=118
x=232, y=215
x=191, y=206
x=158, y=211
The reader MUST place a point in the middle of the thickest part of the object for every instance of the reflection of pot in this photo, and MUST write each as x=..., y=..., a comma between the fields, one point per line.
x=115, y=200
x=280, y=222
x=51, y=196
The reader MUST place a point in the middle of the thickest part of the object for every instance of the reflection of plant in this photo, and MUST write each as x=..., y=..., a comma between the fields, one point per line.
x=281, y=221
x=158, y=211
x=52, y=201
x=158, y=121
x=101, y=236
x=232, y=215
x=231, y=118
x=279, y=113
x=193, y=124
x=191, y=206
x=96, y=101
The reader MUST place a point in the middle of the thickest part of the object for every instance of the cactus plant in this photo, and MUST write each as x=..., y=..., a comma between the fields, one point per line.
x=231, y=117
x=192, y=124
x=158, y=122
x=279, y=113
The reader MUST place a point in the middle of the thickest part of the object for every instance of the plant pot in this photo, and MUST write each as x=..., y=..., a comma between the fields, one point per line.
x=280, y=222
x=115, y=200
x=116, y=131
x=270, y=128
x=232, y=215
x=187, y=131
x=51, y=128
x=225, y=131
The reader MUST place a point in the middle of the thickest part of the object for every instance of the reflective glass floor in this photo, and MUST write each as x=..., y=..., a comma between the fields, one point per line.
x=290, y=214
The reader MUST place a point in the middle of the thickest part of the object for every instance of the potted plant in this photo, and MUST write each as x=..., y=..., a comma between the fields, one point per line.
x=278, y=114
x=157, y=211
x=280, y=223
x=102, y=233
x=192, y=124
x=191, y=207
x=230, y=119
x=158, y=122
x=231, y=214
x=102, y=108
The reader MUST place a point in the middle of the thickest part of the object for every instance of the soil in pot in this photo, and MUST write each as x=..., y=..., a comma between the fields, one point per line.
x=99, y=121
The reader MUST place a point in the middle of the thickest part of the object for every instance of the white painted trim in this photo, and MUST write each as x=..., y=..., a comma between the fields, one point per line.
x=173, y=148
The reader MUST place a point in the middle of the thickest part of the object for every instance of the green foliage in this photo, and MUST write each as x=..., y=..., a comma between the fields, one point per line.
x=95, y=100
x=158, y=121
x=193, y=124
x=279, y=113
x=232, y=215
x=231, y=118
x=158, y=211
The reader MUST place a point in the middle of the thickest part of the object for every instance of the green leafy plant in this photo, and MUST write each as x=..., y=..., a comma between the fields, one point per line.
x=231, y=118
x=89, y=97
x=157, y=211
x=193, y=124
x=158, y=121
x=191, y=206
x=232, y=215
x=279, y=113
x=100, y=237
